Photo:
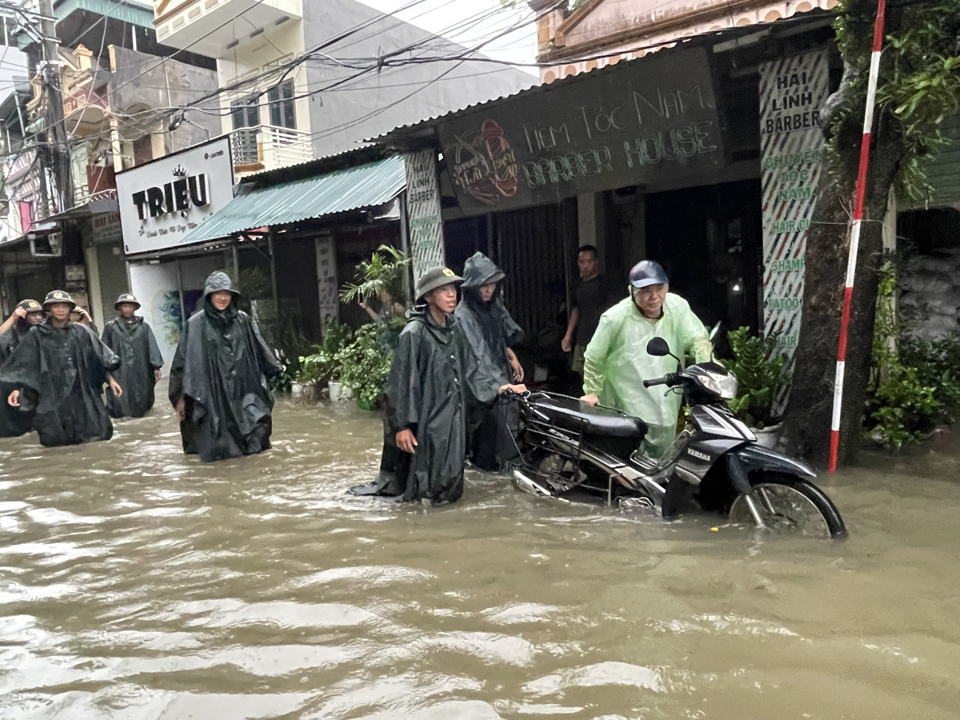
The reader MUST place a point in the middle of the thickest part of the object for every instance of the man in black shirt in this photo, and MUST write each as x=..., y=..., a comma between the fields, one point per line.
x=590, y=300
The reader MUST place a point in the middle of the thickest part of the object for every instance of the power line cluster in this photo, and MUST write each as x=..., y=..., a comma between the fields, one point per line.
x=436, y=48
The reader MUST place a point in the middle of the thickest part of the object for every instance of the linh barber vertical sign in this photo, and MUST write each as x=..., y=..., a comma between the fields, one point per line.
x=423, y=212
x=792, y=91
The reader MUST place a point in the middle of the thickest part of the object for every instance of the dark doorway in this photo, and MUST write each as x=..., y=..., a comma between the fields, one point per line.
x=709, y=241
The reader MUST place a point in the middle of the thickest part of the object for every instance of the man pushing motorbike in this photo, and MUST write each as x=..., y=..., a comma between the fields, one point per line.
x=616, y=361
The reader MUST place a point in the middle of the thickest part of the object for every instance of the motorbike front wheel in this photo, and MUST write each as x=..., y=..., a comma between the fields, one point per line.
x=792, y=505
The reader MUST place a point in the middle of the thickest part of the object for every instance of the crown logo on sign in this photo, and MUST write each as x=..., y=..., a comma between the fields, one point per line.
x=179, y=171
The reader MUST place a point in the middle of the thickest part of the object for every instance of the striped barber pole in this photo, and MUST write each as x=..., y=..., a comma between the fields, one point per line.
x=860, y=194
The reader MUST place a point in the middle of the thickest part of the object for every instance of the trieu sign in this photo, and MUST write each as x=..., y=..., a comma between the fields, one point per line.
x=162, y=201
x=639, y=123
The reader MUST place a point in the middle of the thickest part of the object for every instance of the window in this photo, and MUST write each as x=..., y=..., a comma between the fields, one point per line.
x=282, y=110
x=246, y=112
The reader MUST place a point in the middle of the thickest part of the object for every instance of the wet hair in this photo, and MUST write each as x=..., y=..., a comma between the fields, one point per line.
x=589, y=249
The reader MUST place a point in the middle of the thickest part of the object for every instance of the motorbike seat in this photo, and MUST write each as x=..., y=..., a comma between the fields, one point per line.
x=571, y=414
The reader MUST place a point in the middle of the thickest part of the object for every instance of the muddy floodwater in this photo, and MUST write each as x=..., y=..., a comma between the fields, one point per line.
x=137, y=583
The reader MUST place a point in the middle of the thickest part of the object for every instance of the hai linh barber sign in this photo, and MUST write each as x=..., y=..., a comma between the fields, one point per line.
x=792, y=91
x=641, y=122
x=162, y=201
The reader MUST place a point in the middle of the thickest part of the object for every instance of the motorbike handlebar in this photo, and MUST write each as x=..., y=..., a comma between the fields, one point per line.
x=670, y=379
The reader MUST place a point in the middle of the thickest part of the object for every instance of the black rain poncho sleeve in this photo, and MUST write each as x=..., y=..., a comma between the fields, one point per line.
x=424, y=393
x=61, y=372
x=220, y=370
x=13, y=421
x=139, y=354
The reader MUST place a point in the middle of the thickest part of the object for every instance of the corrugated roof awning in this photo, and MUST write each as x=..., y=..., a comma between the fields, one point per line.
x=341, y=191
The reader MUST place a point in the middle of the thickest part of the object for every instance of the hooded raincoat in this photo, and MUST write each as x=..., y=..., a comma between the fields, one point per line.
x=13, y=421
x=424, y=394
x=220, y=371
x=616, y=363
x=488, y=330
x=61, y=372
x=133, y=341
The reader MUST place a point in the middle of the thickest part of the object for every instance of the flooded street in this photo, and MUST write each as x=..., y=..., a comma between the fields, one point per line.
x=137, y=583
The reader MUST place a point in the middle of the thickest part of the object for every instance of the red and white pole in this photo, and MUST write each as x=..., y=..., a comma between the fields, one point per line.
x=860, y=193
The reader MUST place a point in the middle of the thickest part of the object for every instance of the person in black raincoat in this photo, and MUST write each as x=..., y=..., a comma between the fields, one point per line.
x=27, y=314
x=140, y=360
x=424, y=425
x=218, y=380
x=58, y=371
x=489, y=333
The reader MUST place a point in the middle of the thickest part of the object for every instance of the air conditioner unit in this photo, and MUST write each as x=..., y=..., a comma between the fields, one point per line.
x=50, y=245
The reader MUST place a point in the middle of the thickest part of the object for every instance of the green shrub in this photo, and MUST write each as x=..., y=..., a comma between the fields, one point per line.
x=365, y=364
x=914, y=383
x=323, y=365
x=761, y=375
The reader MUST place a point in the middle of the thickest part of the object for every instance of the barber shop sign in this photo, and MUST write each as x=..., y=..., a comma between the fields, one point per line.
x=163, y=200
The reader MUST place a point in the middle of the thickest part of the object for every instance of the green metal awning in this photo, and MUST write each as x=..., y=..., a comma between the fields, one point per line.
x=341, y=191
x=126, y=11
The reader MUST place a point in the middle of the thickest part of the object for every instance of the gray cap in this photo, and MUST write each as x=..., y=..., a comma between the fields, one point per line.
x=434, y=278
x=648, y=272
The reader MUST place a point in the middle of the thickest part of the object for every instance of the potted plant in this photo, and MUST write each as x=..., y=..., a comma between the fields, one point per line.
x=364, y=365
x=322, y=368
x=761, y=376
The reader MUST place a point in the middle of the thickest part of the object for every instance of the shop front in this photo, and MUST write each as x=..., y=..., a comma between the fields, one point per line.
x=160, y=203
x=703, y=156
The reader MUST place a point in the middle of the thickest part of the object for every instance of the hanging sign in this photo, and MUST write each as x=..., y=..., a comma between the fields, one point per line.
x=641, y=122
x=163, y=200
x=792, y=91
x=423, y=212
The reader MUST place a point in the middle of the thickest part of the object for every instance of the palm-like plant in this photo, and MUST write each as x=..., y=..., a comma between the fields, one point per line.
x=383, y=271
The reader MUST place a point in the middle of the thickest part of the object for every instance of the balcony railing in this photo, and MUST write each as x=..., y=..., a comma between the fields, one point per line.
x=267, y=147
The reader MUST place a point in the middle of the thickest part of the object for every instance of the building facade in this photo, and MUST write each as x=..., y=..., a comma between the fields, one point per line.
x=306, y=80
x=582, y=35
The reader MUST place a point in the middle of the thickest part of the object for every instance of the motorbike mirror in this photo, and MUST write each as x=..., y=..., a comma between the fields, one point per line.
x=714, y=331
x=658, y=347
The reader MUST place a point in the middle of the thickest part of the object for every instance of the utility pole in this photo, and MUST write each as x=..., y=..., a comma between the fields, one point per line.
x=57, y=152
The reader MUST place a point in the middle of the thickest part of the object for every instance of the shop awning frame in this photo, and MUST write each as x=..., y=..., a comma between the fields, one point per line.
x=356, y=188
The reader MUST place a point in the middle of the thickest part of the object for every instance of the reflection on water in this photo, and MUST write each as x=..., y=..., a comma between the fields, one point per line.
x=137, y=583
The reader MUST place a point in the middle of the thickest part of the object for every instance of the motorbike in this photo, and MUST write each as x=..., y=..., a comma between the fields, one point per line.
x=586, y=453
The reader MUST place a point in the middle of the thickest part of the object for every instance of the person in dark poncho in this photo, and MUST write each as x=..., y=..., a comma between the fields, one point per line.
x=218, y=380
x=27, y=314
x=140, y=361
x=59, y=369
x=424, y=425
x=490, y=333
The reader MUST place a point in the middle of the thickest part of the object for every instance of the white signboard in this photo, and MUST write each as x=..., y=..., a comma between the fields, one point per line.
x=792, y=91
x=423, y=212
x=163, y=200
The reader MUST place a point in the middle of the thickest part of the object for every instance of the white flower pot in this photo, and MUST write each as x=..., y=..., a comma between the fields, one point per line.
x=296, y=389
x=768, y=437
x=338, y=392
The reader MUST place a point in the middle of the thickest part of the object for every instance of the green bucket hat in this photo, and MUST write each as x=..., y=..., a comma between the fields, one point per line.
x=58, y=296
x=126, y=298
x=434, y=278
x=30, y=306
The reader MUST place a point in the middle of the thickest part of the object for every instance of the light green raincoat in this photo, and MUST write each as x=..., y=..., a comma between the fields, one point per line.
x=616, y=363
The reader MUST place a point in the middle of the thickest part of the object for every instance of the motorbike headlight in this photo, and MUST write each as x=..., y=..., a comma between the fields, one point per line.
x=723, y=385
x=728, y=386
